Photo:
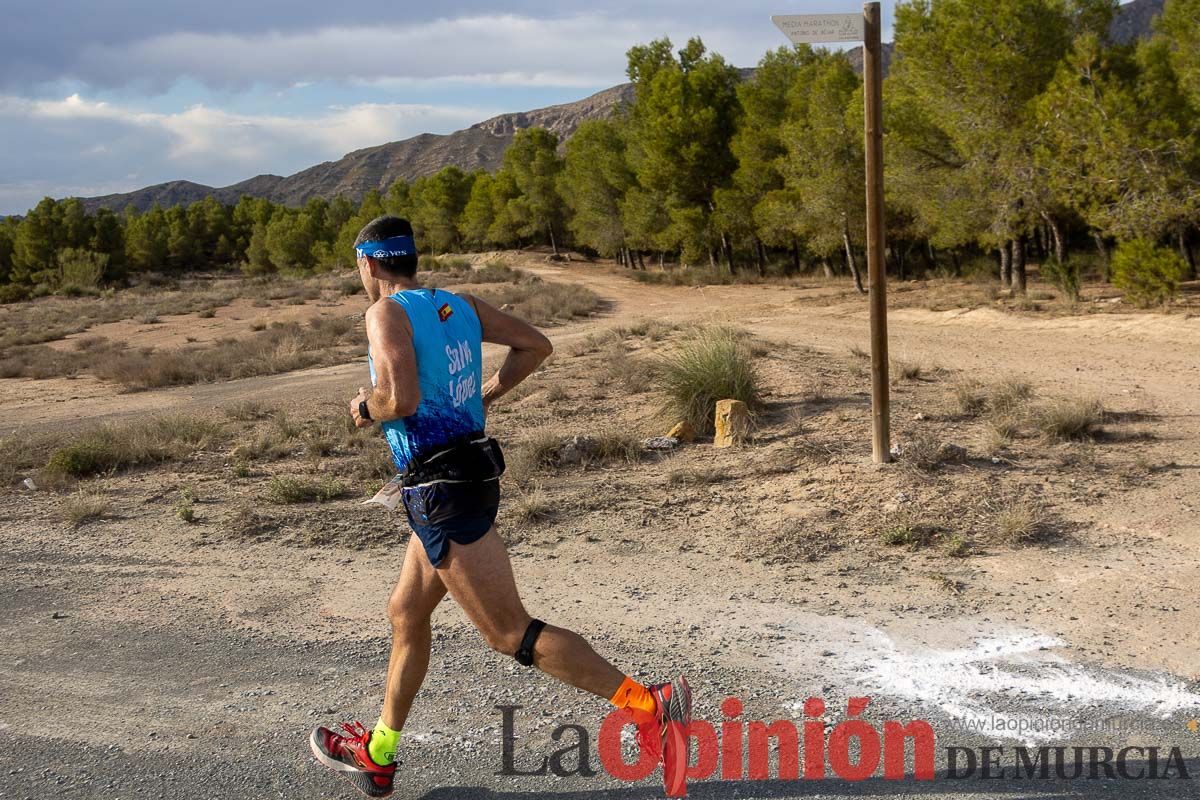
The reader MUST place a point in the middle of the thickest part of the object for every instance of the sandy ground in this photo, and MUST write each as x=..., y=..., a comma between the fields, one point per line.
x=138, y=664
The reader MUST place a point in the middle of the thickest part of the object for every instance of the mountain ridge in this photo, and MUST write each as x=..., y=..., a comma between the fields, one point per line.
x=480, y=146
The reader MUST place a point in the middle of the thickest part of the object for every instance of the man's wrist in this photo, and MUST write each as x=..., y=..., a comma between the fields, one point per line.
x=364, y=410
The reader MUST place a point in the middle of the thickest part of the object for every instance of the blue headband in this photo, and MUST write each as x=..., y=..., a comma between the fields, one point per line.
x=391, y=247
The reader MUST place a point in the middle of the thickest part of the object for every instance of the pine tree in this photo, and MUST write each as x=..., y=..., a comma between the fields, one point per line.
x=596, y=176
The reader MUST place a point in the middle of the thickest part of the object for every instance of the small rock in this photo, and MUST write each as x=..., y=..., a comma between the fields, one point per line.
x=919, y=417
x=661, y=443
x=682, y=431
x=30, y=485
x=576, y=450
x=952, y=453
x=58, y=615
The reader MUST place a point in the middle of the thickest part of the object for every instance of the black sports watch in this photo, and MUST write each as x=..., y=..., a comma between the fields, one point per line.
x=363, y=411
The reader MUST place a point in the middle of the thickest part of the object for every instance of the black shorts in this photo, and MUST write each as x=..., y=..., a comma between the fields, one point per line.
x=440, y=513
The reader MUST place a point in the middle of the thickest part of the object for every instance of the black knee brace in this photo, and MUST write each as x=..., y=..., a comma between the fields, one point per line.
x=524, y=654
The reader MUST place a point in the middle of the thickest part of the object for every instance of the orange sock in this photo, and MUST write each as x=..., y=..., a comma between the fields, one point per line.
x=633, y=695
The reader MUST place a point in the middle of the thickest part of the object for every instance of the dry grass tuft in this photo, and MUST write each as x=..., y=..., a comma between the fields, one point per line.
x=533, y=506
x=907, y=370
x=1020, y=522
x=970, y=397
x=84, y=507
x=1069, y=418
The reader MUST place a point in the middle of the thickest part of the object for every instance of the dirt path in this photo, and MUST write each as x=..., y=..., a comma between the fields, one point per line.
x=138, y=664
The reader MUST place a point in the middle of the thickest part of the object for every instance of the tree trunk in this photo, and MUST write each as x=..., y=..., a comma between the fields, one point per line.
x=762, y=256
x=1185, y=251
x=661, y=258
x=901, y=257
x=850, y=262
x=553, y=243
x=727, y=245
x=828, y=270
x=1060, y=241
x=795, y=258
x=641, y=260
x=956, y=262
x=1102, y=249
x=1018, y=265
x=1006, y=265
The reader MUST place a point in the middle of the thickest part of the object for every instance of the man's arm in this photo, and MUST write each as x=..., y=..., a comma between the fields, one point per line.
x=528, y=348
x=397, y=391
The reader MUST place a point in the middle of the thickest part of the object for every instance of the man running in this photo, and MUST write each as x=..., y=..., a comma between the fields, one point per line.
x=429, y=398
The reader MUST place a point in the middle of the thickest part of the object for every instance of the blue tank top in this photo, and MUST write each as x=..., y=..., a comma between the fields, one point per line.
x=447, y=338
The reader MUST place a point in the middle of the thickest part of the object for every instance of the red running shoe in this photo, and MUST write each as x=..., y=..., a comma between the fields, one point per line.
x=346, y=754
x=666, y=735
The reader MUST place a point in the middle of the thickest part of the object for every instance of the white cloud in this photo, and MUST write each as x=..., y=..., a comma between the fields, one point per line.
x=72, y=145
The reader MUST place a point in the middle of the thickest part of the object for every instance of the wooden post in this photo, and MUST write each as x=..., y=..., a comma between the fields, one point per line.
x=881, y=445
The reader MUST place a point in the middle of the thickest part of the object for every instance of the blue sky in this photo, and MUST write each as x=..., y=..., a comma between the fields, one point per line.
x=98, y=98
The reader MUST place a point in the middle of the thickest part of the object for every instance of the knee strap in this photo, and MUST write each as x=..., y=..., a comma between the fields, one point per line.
x=524, y=654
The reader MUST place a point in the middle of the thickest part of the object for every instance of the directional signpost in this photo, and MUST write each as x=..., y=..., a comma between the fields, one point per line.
x=868, y=29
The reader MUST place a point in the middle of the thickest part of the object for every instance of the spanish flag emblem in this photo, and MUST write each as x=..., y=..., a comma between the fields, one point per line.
x=444, y=312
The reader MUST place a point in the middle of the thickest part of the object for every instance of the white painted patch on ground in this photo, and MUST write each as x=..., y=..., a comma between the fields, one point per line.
x=1016, y=685
x=998, y=683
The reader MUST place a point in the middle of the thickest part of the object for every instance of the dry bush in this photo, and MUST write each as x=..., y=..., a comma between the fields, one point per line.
x=907, y=370
x=245, y=522
x=970, y=397
x=713, y=364
x=83, y=507
x=53, y=318
x=533, y=506
x=696, y=476
x=247, y=410
x=1009, y=395
x=998, y=434
x=1068, y=418
x=593, y=342
x=793, y=542
x=923, y=451
x=283, y=347
x=541, y=303
x=1020, y=522
x=116, y=447
x=653, y=329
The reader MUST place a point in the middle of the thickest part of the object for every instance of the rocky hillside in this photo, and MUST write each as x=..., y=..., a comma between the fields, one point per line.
x=479, y=146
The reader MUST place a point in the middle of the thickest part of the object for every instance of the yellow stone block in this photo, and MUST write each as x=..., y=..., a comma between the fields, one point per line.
x=683, y=432
x=732, y=423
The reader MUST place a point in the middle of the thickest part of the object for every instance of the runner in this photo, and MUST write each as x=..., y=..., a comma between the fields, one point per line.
x=430, y=400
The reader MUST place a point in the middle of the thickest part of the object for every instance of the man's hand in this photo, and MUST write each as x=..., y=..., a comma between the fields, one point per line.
x=359, y=422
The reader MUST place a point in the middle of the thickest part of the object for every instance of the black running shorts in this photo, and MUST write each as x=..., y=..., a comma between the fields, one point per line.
x=441, y=513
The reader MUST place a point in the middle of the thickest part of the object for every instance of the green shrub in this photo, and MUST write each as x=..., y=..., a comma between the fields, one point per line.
x=13, y=293
x=716, y=364
x=302, y=490
x=1064, y=277
x=1147, y=273
x=80, y=271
